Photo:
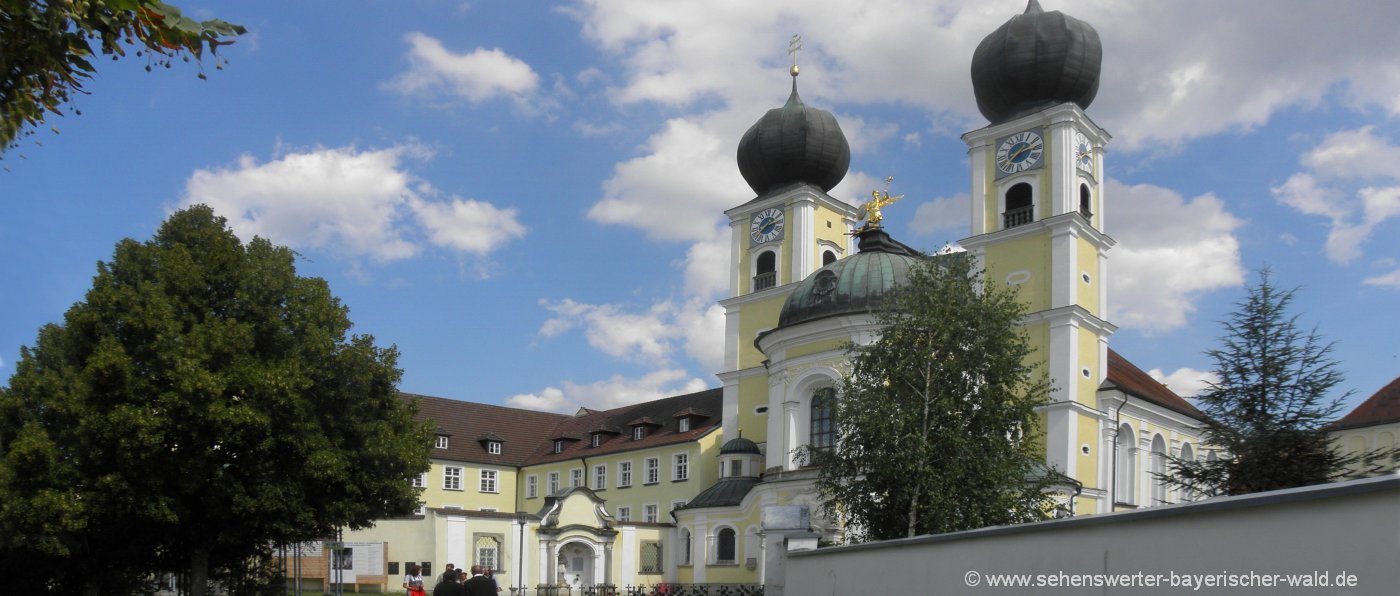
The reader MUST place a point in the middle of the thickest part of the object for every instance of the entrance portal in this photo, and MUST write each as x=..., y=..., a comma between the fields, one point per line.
x=576, y=564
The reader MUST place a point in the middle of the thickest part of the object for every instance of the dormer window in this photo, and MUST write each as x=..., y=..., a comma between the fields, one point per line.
x=597, y=439
x=441, y=442
x=493, y=447
x=683, y=425
x=559, y=445
x=639, y=433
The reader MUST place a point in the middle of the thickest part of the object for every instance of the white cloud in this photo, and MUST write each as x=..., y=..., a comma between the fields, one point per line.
x=1346, y=158
x=1186, y=382
x=467, y=225
x=350, y=202
x=613, y=392
x=340, y=199
x=1391, y=279
x=679, y=188
x=707, y=266
x=478, y=75
x=651, y=336
x=945, y=215
x=1170, y=251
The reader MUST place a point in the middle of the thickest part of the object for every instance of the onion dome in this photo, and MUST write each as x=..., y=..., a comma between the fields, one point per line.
x=794, y=143
x=739, y=445
x=1033, y=61
x=854, y=285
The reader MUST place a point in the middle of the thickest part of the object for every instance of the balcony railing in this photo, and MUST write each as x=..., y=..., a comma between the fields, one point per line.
x=1019, y=216
x=764, y=281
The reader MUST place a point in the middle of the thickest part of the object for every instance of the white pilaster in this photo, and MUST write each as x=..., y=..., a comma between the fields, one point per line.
x=802, y=231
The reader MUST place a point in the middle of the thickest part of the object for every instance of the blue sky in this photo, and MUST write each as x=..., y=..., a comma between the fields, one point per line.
x=526, y=197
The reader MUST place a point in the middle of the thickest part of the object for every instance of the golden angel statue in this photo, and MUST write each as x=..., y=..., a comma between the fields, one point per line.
x=878, y=199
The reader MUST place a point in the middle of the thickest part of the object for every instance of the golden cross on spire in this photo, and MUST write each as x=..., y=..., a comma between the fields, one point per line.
x=794, y=44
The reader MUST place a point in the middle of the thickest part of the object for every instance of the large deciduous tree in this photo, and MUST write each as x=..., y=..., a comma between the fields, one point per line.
x=1268, y=405
x=201, y=402
x=936, y=421
x=47, y=48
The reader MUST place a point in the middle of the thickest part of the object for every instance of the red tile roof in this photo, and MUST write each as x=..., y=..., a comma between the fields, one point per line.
x=466, y=423
x=1132, y=380
x=1381, y=408
x=660, y=434
x=527, y=437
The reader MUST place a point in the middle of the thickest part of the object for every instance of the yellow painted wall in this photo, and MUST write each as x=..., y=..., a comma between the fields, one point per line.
x=815, y=348
x=756, y=316
x=1088, y=262
x=470, y=495
x=1088, y=388
x=753, y=392
x=1088, y=465
x=1029, y=253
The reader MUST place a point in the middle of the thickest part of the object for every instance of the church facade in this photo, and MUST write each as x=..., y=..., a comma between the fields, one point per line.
x=703, y=488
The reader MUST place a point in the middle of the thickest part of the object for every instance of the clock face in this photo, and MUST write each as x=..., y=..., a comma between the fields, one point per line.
x=1083, y=153
x=1020, y=152
x=767, y=225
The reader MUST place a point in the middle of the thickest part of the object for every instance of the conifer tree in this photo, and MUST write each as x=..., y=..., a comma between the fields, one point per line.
x=1268, y=405
x=936, y=421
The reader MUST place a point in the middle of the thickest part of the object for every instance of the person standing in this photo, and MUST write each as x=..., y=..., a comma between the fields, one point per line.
x=448, y=585
x=479, y=584
x=413, y=581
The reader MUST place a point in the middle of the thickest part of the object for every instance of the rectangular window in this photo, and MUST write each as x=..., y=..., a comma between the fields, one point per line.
x=427, y=570
x=532, y=486
x=493, y=447
x=488, y=550
x=597, y=439
x=677, y=505
x=651, y=558
x=680, y=466
x=649, y=513
x=421, y=480
x=393, y=568
x=441, y=442
x=600, y=477
x=559, y=446
x=488, y=481
x=653, y=470
x=624, y=514
x=639, y=433
x=553, y=482
x=422, y=509
x=576, y=477
x=452, y=478
x=736, y=467
x=684, y=425
x=624, y=473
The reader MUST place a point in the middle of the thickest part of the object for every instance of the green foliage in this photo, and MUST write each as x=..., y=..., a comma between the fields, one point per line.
x=1269, y=405
x=936, y=420
x=202, y=401
x=47, y=48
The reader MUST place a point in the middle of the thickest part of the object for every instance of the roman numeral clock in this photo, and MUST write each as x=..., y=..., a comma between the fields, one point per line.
x=1020, y=152
x=766, y=226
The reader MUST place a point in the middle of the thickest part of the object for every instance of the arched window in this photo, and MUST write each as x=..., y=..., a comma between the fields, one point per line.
x=1187, y=454
x=725, y=546
x=1159, y=469
x=766, y=274
x=1124, y=472
x=1085, y=202
x=1018, y=206
x=828, y=257
x=685, y=546
x=823, y=434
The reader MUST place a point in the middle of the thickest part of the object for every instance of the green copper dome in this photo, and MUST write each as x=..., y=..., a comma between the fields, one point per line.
x=853, y=285
x=739, y=445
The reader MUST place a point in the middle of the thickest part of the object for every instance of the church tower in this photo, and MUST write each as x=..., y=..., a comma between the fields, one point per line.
x=1038, y=215
x=791, y=157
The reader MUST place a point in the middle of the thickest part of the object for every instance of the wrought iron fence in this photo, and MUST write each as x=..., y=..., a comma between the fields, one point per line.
x=663, y=589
